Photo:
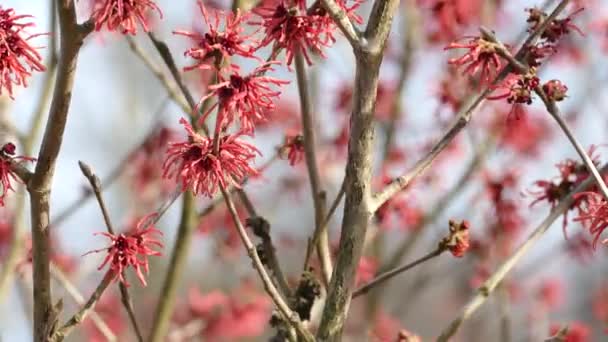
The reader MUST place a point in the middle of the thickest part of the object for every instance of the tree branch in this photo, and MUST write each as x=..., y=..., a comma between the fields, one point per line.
x=392, y=273
x=124, y=292
x=269, y=286
x=494, y=280
x=39, y=186
x=341, y=19
x=320, y=237
x=463, y=117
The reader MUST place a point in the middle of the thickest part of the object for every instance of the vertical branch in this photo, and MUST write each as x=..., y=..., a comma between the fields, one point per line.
x=179, y=255
x=320, y=237
x=18, y=238
x=357, y=211
x=39, y=186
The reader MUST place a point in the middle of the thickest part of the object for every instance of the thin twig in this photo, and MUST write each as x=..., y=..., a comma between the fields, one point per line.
x=320, y=238
x=112, y=176
x=270, y=288
x=461, y=121
x=79, y=299
x=495, y=279
x=17, y=244
x=392, y=273
x=124, y=292
x=73, y=322
x=72, y=36
x=552, y=108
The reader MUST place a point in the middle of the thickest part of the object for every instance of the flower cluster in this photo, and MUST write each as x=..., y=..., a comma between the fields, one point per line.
x=298, y=29
x=17, y=57
x=248, y=98
x=131, y=250
x=571, y=174
x=212, y=47
x=123, y=15
x=483, y=57
x=199, y=167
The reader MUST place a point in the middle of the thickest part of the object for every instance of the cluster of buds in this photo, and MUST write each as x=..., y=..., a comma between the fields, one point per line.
x=458, y=241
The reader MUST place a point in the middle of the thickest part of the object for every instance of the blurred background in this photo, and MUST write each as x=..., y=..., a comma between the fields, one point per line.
x=121, y=118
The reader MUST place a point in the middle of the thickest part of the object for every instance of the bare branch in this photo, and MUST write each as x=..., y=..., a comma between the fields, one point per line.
x=494, y=280
x=320, y=238
x=39, y=186
x=392, y=273
x=79, y=299
x=124, y=292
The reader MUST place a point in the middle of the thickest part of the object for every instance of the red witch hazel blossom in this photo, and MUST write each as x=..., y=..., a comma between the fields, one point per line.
x=216, y=43
x=7, y=175
x=123, y=15
x=194, y=164
x=571, y=174
x=131, y=250
x=248, y=98
x=293, y=148
x=594, y=214
x=16, y=53
x=556, y=29
x=481, y=57
x=296, y=29
x=519, y=90
x=458, y=242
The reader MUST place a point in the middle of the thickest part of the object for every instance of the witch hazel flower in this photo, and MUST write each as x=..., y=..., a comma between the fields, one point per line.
x=293, y=148
x=216, y=44
x=556, y=28
x=571, y=174
x=7, y=175
x=518, y=90
x=195, y=165
x=294, y=29
x=594, y=214
x=481, y=57
x=123, y=15
x=458, y=241
x=131, y=250
x=17, y=57
x=247, y=98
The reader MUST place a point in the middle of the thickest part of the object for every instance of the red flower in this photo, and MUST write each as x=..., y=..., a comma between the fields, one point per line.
x=458, y=242
x=16, y=53
x=555, y=90
x=594, y=214
x=194, y=164
x=518, y=89
x=573, y=332
x=248, y=97
x=556, y=29
x=481, y=57
x=295, y=30
x=218, y=43
x=7, y=175
x=293, y=148
x=123, y=14
x=131, y=250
